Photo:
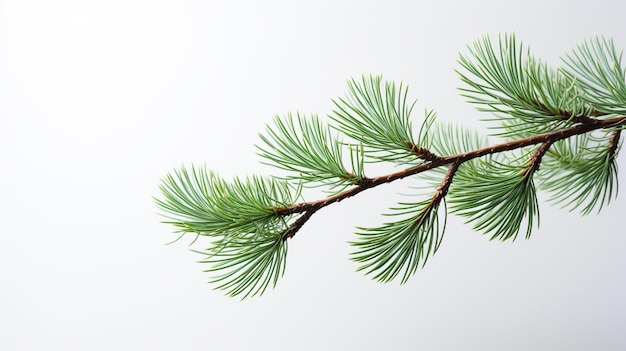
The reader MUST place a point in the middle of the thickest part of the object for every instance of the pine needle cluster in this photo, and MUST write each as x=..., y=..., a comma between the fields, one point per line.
x=565, y=120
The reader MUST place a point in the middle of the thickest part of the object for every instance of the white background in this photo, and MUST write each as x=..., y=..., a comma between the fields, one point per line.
x=99, y=99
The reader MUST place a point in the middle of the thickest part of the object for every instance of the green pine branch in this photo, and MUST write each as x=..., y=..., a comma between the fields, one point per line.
x=562, y=133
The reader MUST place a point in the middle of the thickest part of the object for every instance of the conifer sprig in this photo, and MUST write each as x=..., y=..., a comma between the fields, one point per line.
x=562, y=128
x=525, y=94
x=596, y=68
x=307, y=149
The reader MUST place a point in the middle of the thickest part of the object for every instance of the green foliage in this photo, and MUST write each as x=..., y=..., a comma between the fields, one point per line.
x=307, y=148
x=401, y=246
x=247, y=265
x=562, y=128
x=581, y=173
x=377, y=115
x=447, y=139
x=496, y=197
x=526, y=95
x=202, y=202
x=596, y=68
x=249, y=248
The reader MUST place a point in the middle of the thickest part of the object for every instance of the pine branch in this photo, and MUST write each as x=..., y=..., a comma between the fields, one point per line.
x=547, y=139
x=566, y=120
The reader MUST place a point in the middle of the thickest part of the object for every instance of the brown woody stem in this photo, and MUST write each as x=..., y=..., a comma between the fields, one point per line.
x=421, y=152
x=535, y=159
x=614, y=142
